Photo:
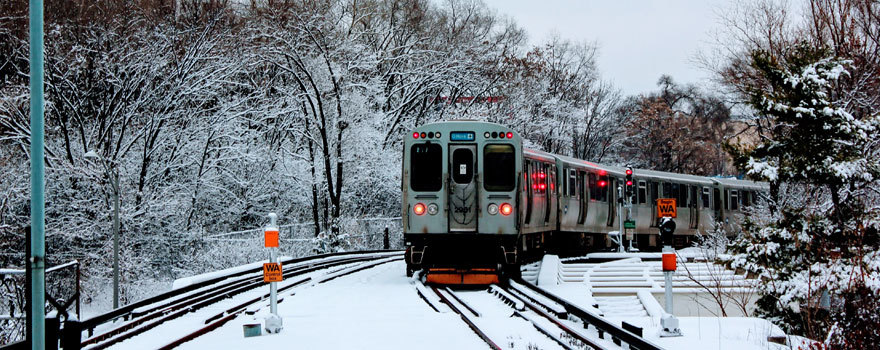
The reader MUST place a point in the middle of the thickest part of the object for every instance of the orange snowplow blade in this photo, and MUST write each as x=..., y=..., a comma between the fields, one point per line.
x=458, y=277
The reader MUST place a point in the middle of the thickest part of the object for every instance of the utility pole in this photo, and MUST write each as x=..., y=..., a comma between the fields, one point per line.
x=38, y=175
x=113, y=175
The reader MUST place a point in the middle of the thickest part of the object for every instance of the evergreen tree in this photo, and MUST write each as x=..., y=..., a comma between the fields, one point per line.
x=814, y=241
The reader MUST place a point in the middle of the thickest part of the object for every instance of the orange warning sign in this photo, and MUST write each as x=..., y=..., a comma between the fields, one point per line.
x=271, y=238
x=666, y=207
x=668, y=261
x=272, y=272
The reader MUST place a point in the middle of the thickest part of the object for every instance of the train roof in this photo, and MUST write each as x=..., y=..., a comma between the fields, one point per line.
x=540, y=154
x=665, y=175
x=613, y=170
x=737, y=183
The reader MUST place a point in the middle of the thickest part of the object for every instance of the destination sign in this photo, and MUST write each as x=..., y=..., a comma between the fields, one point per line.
x=461, y=136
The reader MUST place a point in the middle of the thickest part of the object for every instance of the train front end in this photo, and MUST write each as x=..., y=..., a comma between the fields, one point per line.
x=460, y=212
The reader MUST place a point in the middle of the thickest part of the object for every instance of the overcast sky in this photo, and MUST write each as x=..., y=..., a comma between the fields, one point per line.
x=638, y=39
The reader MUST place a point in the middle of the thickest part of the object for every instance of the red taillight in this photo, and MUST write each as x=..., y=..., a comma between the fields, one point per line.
x=506, y=209
x=423, y=135
x=419, y=209
x=602, y=183
x=541, y=175
x=501, y=135
x=415, y=135
x=510, y=135
x=542, y=186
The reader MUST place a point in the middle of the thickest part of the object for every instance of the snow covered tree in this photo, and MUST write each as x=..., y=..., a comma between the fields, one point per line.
x=814, y=242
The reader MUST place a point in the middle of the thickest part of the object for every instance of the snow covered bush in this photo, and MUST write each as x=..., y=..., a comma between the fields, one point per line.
x=814, y=242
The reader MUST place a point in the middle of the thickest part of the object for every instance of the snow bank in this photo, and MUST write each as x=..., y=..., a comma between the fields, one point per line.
x=549, y=274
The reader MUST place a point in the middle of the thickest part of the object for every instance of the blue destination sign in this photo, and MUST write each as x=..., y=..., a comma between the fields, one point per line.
x=461, y=136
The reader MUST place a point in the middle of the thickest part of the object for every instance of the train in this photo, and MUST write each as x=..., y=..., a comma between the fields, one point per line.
x=476, y=204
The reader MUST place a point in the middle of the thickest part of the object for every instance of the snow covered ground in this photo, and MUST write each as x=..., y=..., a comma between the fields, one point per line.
x=379, y=308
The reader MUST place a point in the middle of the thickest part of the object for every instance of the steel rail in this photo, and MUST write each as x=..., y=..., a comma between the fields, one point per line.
x=467, y=320
x=125, y=311
x=589, y=318
x=177, y=308
x=240, y=308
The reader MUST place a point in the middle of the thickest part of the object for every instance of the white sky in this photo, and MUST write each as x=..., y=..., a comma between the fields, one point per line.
x=638, y=40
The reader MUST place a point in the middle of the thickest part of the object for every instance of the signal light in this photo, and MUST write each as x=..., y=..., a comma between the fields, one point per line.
x=430, y=134
x=423, y=135
x=487, y=134
x=506, y=209
x=629, y=183
x=437, y=134
x=415, y=135
x=542, y=186
x=419, y=209
x=510, y=135
x=629, y=171
x=603, y=183
x=541, y=175
x=501, y=135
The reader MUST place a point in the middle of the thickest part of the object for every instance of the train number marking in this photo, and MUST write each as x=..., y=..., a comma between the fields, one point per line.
x=463, y=210
x=666, y=207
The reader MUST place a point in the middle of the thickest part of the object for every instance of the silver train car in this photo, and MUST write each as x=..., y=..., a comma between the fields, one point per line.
x=476, y=204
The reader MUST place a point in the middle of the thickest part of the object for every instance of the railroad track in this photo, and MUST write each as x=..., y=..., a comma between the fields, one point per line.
x=143, y=316
x=554, y=320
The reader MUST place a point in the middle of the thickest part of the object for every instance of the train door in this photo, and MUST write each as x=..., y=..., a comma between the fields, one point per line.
x=655, y=194
x=548, y=191
x=585, y=198
x=692, y=203
x=527, y=173
x=462, y=188
x=611, y=196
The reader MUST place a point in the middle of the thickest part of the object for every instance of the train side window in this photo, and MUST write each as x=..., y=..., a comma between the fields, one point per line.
x=726, y=199
x=581, y=185
x=599, y=187
x=426, y=167
x=682, y=196
x=734, y=200
x=591, y=181
x=655, y=191
x=667, y=190
x=565, y=182
x=572, y=183
x=643, y=192
x=499, y=168
x=746, y=198
x=705, y=197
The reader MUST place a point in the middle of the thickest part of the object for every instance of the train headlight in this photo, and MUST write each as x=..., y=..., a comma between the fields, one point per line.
x=433, y=209
x=419, y=209
x=506, y=209
x=493, y=209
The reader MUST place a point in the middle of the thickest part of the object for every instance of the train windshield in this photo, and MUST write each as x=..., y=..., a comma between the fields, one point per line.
x=499, y=168
x=426, y=167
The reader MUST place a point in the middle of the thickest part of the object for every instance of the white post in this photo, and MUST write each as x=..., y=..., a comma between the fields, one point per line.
x=273, y=321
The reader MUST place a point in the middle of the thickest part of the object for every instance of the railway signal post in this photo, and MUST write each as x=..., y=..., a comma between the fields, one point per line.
x=272, y=274
x=668, y=322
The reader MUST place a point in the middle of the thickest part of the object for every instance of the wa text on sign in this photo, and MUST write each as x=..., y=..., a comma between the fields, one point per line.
x=666, y=207
x=272, y=272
